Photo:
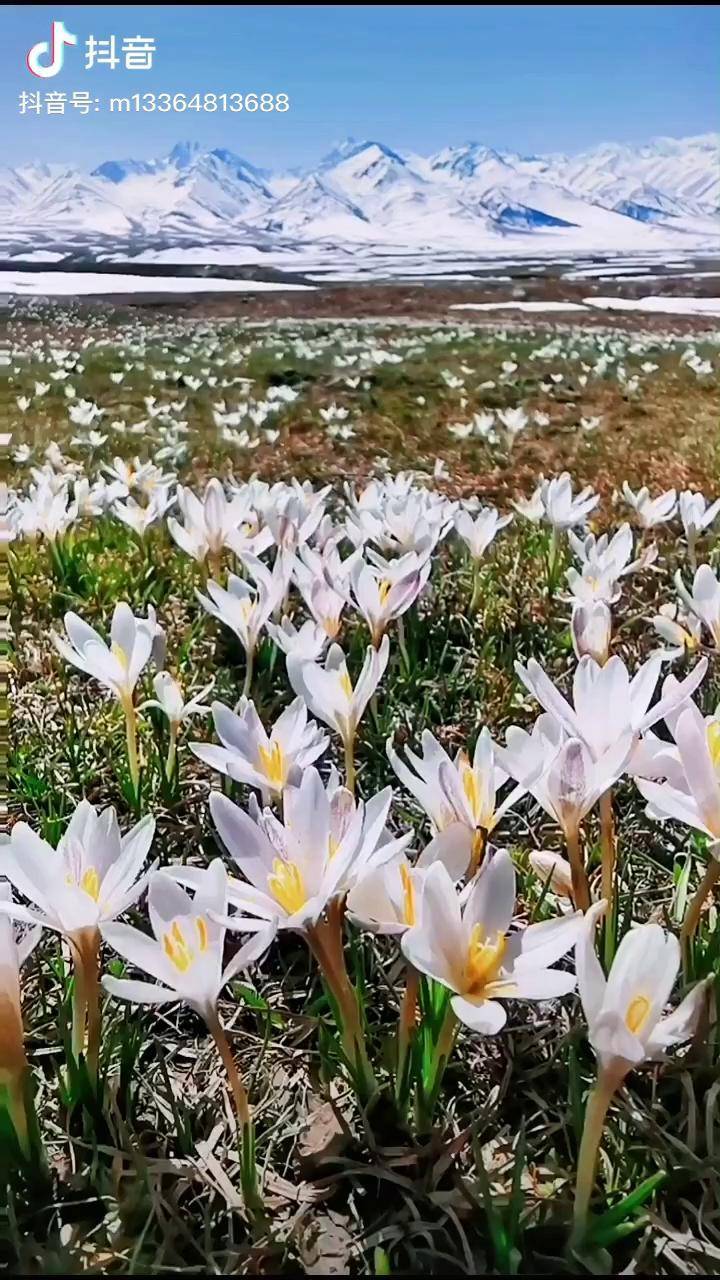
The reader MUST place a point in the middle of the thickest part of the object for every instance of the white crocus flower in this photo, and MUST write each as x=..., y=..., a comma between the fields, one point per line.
x=464, y=943
x=553, y=870
x=681, y=631
x=697, y=515
x=532, y=508
x=459, y=790
x=570, y=786
x=692, y=796
x=307, y=641
x=609, y=705
x=626, y=1026
x=170, y=699
x=210, y=523
x=563, y=510
x=246, y=609
x=118, y=665
x=479, y=531
x=325, y=603
x=90, y=879
x=650, y=512
x=268, y=761
x=330, y=695
x=185, y=958
x=296, y=868
x=607, y=556
x=514, y=421
x=624, y=1012
x=138, y=518
x=554, y=502
x=381, y=600
x=387, y=899
x=185, y=953
x=704, y=599
x=591, y=630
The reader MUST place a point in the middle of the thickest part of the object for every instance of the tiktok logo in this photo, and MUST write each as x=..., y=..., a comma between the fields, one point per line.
x=60, y=36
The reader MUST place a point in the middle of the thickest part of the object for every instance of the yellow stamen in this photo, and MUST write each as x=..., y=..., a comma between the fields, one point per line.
x=384, y=589
x=713, y=741
x=287, y=886
x=408, y=895
x=120, y=654
x=272, y=760
x=483, y=961
x=637, y=1013
x=176, y=948
x=201, y=925
x=91, y=883
x=346, y=685
x=333, y=846
x=470, y=786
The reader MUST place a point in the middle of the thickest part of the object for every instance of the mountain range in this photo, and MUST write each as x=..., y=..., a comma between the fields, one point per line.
x=661, y=195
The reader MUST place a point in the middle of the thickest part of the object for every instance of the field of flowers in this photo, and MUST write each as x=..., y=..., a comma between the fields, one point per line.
x=361, y=760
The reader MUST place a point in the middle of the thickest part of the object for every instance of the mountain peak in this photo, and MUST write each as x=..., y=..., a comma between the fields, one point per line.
x=183, y=154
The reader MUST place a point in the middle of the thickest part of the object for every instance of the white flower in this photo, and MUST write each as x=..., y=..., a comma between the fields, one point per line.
x=463, y=943
x=624, y=1012
x=696, y=515
x=249, y=754
x=649, y=511
x=329, y=692
x=457, y=791
x=381, y=600
x=185, y=953
x=170, y=699
x=683, y=632
x=703, y=600
x=697, y=803
x=478, y=532
x=591, y=630
x=308, y=641
x=608, y=705
x=553, y=501
x=387, y=899
x=90, y=878
x=295, y=868
x=242, y=608
x=118, y=665
x=15, y=948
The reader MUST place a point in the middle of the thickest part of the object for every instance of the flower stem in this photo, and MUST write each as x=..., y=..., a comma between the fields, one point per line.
x=326, y=943
x=86, y=1024
x=350, y=764
x=249, y=665
x=17, y=1111
x=581, y=891
x=696, y=904
x=248, y=1163
x=172, y=751
x=477, y=589
x=132, y=747
x=402, y=645
x=407, y=1027
x=607, y=841
x=595, y=1113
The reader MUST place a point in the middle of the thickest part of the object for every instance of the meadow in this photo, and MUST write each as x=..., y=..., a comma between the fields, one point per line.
x=362, y=793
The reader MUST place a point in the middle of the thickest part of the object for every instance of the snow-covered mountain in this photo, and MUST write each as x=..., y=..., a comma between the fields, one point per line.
x=663, y=194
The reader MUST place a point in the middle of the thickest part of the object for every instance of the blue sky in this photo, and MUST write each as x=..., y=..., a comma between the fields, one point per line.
x=528, y=77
